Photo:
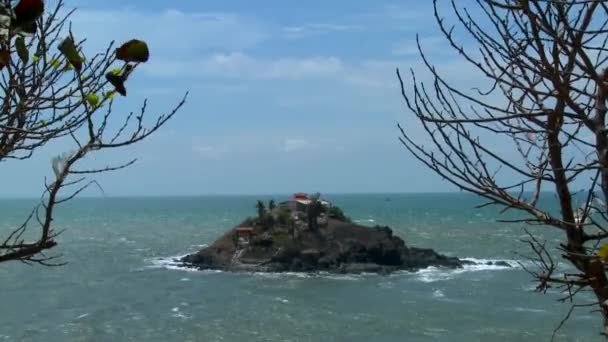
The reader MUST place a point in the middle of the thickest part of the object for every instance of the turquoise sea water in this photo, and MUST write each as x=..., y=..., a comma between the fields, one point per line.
x=120, y=285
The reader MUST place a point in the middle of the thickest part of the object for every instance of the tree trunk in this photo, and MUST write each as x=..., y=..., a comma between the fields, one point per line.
x=599, y=283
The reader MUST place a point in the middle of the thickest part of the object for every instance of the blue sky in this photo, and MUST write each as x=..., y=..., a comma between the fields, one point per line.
x=285, y=96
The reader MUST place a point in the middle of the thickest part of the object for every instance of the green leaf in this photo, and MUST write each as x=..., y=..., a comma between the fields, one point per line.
x=70, y=51
x=68, y=66
x=55, y=63
x=109, y=95
x=93, y=100
x=22, y=51
x=603, y=252
x=116, y=71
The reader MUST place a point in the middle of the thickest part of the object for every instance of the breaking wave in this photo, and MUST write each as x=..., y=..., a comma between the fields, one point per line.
x=427, y=275
x=169, y=263
x=433, y=274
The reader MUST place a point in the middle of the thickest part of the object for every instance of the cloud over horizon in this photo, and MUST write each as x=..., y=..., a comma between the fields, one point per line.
x=274, y=92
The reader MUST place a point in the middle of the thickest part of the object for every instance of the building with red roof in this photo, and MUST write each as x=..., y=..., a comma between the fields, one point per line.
x=299, y=202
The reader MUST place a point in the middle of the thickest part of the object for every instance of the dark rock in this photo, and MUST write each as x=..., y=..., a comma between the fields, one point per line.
x=265, y=241
x=339, y=247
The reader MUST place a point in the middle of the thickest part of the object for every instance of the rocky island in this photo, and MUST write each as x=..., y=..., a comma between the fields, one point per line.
x=308, y=234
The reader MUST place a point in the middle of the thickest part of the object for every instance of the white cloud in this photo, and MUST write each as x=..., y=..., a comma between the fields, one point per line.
x=240, y=65
x=375, y=74
x=407, y=12
x=295, y=32
x=292, y=145
x=170, y=32
x=208, y=152
x=369, y=74
x=429, y=45
x=215, y=45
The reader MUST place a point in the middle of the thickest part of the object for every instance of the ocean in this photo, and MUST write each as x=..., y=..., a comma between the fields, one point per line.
x=120, y=283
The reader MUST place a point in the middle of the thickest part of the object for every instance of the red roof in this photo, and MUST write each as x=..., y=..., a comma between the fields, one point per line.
x=244, y=229
x=300, y=195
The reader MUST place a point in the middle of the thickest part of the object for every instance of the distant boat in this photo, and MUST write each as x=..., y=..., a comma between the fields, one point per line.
x=387, y=199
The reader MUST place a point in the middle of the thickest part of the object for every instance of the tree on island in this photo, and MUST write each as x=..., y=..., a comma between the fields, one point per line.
x=269, y=221
x=283, y=216
x=338, y=214
x=546, y=99
x=291, y=227
x=313, y=211
x=261, y=208
x=52, y=91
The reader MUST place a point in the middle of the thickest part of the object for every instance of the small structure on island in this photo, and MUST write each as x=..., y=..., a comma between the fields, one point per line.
x=243, y=235
x=300, y=201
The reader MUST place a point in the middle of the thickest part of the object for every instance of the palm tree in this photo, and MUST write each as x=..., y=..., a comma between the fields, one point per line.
x=315, y=208
x=271, y=205
x=291, y=226
x=261, y=209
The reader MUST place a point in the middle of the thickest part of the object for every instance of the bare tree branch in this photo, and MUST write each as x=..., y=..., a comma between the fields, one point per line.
x=51, y=92
x=546, y=62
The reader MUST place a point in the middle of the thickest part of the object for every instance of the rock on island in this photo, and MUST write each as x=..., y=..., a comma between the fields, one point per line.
x=309, y=234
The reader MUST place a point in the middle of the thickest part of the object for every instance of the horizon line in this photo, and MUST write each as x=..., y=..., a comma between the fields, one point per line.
x=26, y=197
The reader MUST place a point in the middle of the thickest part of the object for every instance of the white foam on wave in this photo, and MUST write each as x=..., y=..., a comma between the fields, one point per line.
x=349, y=276
x=281, y=300
x=82, y=316
x=532, y=310
x=277, y=275
x=367, y=220
x=427, y=275
x=433, y=274
x=438, y=294
x=174, y=264
x=529, y=288
x=168, y=263
x=320, y=275
x=482, y=264
x=123, y=239
x=176, y=313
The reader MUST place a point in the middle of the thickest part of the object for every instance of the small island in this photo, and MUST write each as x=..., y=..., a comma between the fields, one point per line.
x=309, y=234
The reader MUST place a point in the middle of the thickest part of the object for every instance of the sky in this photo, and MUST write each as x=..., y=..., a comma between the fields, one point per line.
x=285, y=96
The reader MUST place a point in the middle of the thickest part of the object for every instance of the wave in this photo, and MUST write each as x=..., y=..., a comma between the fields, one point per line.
x=433, y=274
x=83, y=316
x=490, y=264
x=531, y=310
x=169, y=263
x=427, y=275
x=281, y=300
x=438, y=294
x=176, y=313
x=304, y=275
x=368, y=220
